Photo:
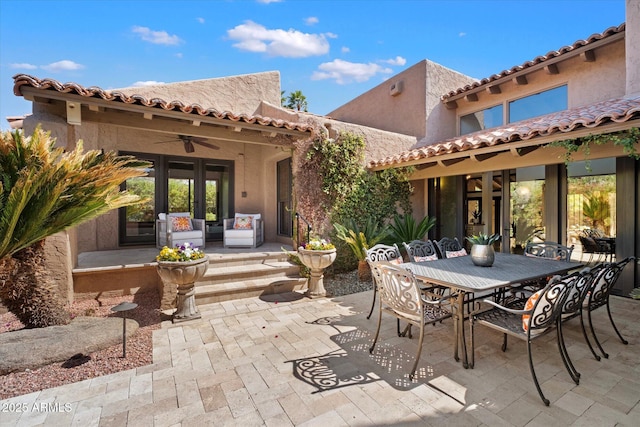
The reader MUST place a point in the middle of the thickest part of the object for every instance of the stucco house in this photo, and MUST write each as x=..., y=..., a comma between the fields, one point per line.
x=474, y=144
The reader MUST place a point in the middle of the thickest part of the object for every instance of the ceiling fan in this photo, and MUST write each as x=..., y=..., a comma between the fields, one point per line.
x=188, y=142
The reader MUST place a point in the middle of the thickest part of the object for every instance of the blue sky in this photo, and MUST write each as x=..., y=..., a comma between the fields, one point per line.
x=332, y=51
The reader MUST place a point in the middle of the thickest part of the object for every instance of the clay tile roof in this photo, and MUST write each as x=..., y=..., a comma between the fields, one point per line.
x=21, y=80
x=614, y=110
x=553, y=54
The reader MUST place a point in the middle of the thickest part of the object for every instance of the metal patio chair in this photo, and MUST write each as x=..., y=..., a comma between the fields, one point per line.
x=447, y=244
x=420, y=251
x=401, y=296
x=528, y=320
x=598, y=296
x=377, y=253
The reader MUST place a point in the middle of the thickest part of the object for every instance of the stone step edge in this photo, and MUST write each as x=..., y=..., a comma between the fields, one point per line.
x=234, y=289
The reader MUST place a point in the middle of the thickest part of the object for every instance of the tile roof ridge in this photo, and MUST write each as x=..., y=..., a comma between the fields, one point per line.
x=538, y=59
x=618, y=110
x=21, y=80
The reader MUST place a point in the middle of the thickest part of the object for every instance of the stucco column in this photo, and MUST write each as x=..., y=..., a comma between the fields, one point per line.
x=632, y=46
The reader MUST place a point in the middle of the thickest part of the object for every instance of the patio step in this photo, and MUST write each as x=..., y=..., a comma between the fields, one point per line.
x=248, y=276
x=232, y=273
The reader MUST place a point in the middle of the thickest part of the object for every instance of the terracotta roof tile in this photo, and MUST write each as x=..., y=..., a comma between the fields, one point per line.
x=537, y=60
x=21, y=80
x=614, y=110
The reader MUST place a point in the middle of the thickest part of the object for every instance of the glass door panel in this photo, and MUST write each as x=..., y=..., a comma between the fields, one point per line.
x=216, y=205
x=181, y=196
x=139, y=219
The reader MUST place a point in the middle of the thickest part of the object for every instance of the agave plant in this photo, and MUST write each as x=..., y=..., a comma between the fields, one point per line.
x=44, y=190
x=359, y=240
x=404, y=228
x=483, y=239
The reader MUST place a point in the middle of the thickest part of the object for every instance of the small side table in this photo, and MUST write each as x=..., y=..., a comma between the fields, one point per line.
x=124, y=307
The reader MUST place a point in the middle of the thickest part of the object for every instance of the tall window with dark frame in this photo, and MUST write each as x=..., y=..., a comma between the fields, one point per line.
x=285, y=198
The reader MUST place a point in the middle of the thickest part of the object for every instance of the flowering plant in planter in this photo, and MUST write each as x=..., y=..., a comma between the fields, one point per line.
x=316, y=244
x=181, y=253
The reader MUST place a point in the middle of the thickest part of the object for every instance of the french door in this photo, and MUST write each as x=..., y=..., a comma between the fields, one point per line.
x=202, y=187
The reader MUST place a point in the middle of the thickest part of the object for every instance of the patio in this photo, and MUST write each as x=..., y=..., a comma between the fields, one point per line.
x=287, y=360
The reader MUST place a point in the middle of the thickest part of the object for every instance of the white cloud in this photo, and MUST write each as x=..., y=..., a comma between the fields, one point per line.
x=268, y=1
x=24, y=66
x=345, y=49
x=147, y=83
x=179, y=55
x=344, y=72
x=64, y=65
x=200, y=20
x=290, y=43
x=156, y=37
x=312, y=20
x=462, y=34
x=398, y=60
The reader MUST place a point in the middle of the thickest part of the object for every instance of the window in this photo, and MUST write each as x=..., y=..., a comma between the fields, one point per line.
x=539, y=104
x=548, y=101
x=485, y=119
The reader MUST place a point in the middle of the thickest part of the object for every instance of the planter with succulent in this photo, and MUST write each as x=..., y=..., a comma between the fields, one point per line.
x=317, y=255
x=482, y=252
x=179, y=268
x=359, y=239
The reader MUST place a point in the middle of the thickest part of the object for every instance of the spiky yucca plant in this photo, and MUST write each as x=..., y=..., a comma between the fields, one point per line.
x=359, y=240
x=44, y=190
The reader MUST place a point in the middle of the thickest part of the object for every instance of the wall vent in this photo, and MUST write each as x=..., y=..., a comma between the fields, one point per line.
x=396, y=88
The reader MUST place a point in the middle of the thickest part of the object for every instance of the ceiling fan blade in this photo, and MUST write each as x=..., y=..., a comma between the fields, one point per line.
x=206, y=144
x=188, y=147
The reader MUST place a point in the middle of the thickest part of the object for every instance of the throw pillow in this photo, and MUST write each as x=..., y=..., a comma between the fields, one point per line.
x=425, y=258
x=540, y=309
x=243, y=223
x=453, y=254
x=181, y=223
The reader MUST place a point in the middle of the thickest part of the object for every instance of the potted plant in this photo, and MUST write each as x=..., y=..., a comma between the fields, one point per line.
x=482, y=253
x=316, y=255
x=359, y=240
x=180, y=267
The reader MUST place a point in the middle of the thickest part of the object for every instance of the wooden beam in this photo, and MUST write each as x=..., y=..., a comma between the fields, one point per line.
x=269, y=134
x=450, y=162
x=195, y=122
x=551, y=69
x=148, y=116
x=472, y=97
x=520, y=80
x=482, y=157
x=519, y=152
x=94, y=108
x=494, y=90
x=236, y=128
x=220, y=133
x=588, y=56
x=451, y=105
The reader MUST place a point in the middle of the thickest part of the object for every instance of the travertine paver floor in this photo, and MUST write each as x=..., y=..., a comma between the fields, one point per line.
x=294, y=361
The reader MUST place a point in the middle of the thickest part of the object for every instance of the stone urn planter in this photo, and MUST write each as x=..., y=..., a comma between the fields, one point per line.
x=183, y=275
x=483, y=255
x=316, y=261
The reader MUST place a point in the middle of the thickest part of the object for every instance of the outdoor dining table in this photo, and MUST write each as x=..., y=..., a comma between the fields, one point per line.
x=462, y=277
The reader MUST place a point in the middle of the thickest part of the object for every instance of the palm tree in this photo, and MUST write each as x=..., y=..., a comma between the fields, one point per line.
x=297, y=101
x=44, y=190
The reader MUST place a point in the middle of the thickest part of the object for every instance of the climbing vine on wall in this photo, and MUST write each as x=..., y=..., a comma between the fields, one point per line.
x=334, y=185
x=627, y=139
